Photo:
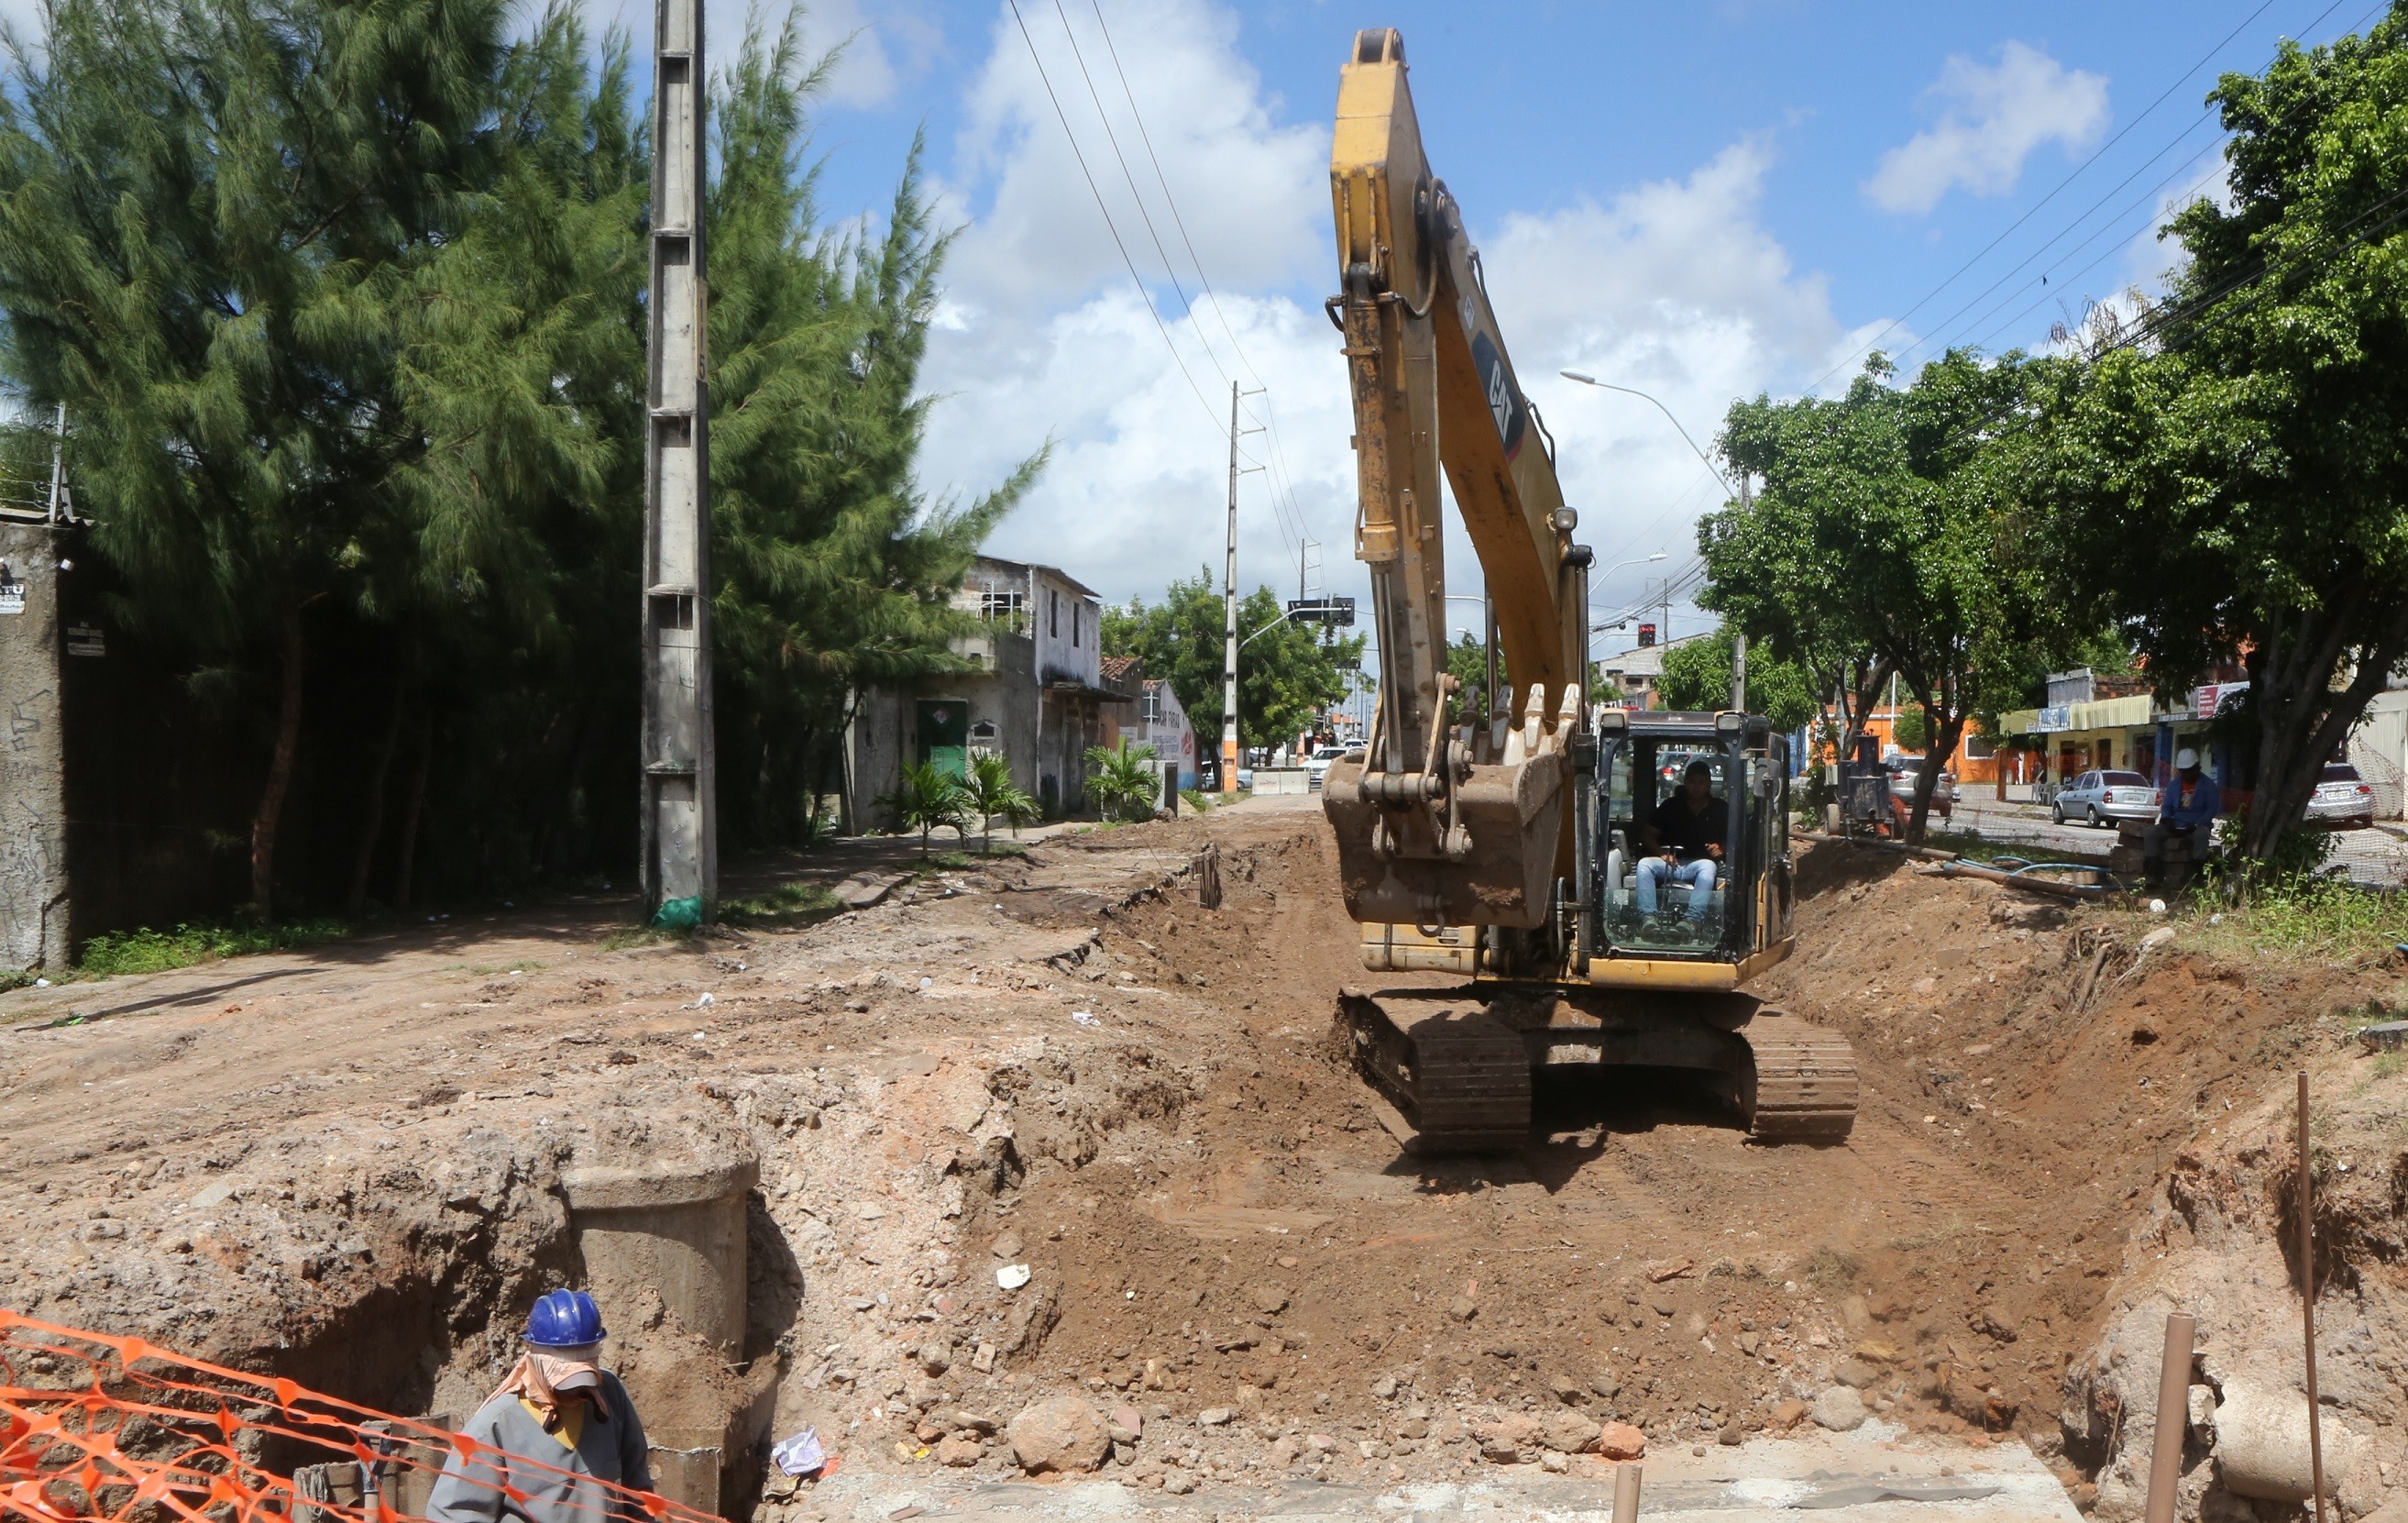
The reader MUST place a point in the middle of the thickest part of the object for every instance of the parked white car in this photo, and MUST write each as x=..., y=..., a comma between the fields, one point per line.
x=1318, y=762
x=2100, y=798
x=2343, y=800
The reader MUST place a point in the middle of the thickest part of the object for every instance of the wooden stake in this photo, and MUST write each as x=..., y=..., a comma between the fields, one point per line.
x=2307, y=1299
x=1626, y=1493
x=2173, y=1418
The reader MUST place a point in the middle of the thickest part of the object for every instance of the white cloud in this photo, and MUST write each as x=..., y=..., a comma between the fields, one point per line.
x=1673, y=287
x=1991, y=118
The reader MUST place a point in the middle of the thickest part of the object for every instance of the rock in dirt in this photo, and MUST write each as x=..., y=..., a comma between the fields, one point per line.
x=1178, y=1483
x=1567, y=1389
x=1567, y=1432
x=1126, y=1425
x=1269, y=1300
x=1060, y=1435
x=1605, y=1384
x=1007, y=1247
x=1385, y=1387
x=935, y=1358
x=1840, y=1409
x=961, y=1450
x=1787, y=1414
x=2261, y=1443
x=1732, y=1435
x=1855, y=1373
x=1621, y=1441
x=1462, y=1308
x=1507, y=1439
x=1215, y=1416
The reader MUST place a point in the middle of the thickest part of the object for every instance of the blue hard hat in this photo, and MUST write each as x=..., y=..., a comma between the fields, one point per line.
x=565, y=1320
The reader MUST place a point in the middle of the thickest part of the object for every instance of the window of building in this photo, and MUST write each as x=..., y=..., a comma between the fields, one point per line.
x=983, y=730
x=1978, y=748
x=1004, y=607
x=1053, y=614
x=1152, y=705
x=1074, y=626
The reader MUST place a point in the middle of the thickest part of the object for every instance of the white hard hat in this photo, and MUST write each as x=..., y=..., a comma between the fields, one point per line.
x=2185, y=759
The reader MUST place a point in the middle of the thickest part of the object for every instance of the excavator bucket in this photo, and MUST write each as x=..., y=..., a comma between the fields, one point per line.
x=1483, y=853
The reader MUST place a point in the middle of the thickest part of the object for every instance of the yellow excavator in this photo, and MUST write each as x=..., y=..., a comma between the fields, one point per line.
x=1507, y=842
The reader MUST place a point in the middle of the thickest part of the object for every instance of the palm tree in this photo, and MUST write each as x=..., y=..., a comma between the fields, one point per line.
x=990, y=792
x=927, y=797
x=1122, y=781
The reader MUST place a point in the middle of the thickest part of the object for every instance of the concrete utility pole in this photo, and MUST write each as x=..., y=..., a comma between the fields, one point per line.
x=681, y=845
x=1739, y=639
x=1229, y=614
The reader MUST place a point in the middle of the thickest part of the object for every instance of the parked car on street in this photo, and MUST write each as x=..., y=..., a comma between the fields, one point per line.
x=2100, y=798
x=1905, y=771
x=1318, y=762
x=2343, y=800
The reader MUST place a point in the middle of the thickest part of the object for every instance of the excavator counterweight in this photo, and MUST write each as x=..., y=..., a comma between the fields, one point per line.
x=1507, y=835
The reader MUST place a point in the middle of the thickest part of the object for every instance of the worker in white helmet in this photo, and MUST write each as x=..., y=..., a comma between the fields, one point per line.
x=2189, y=806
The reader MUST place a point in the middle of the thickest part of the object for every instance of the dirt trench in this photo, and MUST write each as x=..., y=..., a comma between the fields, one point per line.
x=350, y=1175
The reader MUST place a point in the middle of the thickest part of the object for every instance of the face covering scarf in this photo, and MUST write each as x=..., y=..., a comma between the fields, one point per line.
x=536, y=1380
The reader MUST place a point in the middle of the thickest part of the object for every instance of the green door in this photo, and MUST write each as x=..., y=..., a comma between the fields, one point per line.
x=945, y=734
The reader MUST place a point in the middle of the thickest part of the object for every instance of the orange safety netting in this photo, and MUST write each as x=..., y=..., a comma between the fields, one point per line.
x=101, y=1430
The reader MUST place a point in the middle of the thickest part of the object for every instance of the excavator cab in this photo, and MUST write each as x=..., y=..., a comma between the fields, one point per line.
x=1642, y=760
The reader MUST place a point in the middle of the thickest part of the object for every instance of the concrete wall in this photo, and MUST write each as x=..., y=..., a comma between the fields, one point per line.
x=32, y=760
x=2379, y=747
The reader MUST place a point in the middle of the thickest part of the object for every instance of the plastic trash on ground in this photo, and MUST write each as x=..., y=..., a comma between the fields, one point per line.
x=1086, y=1017
x=1011, y=1276
x=800, y=1454
x=678, y=914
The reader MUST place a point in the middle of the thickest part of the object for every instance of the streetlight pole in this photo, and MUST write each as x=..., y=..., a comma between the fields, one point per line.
x=1587, y=379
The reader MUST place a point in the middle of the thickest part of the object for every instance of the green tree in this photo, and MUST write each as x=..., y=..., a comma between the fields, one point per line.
x=991, y=795
x=1287, y=672
x=2230, y=475
x=1890, y=522
x=267, y=257
x=1697, y=675
x=834, y=571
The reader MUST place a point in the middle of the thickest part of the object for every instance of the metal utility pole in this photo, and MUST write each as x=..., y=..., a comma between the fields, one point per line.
x=60, y=512
x=680, y=836
x=1229, y=614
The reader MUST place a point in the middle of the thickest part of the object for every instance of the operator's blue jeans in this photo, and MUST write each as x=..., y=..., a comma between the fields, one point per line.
x=1699, y=875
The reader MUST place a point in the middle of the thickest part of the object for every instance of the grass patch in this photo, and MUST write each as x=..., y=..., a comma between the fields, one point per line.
x=1974, y=848
x=1197, y=799
x=148, y=950
x=786, y=905
x=504, y=967
x=1830, y=1271
x=2316, y=919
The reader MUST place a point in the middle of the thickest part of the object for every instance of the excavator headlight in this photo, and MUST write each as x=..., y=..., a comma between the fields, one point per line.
x=1565, y=520
x=1613, y=721
x=1729, y=722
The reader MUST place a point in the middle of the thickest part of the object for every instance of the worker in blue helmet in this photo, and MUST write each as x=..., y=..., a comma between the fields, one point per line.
x=559, y=1425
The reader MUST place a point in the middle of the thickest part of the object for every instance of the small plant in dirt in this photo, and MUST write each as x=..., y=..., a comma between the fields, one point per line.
x=1197, y=799
x=1124, y=786
x=993, y=796
x=929, y=797
x=148, y=950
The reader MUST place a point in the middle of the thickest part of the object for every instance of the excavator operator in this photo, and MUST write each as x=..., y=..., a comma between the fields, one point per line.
x=1684, y=843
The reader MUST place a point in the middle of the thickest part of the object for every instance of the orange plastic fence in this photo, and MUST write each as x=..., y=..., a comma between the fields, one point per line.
x=118, y=1431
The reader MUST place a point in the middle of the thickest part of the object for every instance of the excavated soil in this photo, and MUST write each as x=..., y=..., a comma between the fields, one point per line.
x=347, y=1169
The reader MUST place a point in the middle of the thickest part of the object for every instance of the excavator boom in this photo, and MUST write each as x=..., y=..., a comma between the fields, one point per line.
x=1439, y=824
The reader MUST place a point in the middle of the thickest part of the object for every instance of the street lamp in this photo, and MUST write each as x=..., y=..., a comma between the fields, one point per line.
x=1587, y=379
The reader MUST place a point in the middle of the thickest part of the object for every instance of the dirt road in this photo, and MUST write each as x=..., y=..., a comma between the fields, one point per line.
x=345, y=1166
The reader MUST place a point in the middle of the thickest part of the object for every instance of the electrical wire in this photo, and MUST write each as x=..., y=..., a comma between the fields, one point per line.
x=1143, y=294
x=2033, y=210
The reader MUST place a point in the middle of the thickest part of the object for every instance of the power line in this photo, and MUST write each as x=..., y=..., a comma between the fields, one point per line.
x=1185, y=302
x=1145, y=136
x=1143, y=294
x=2033, y=210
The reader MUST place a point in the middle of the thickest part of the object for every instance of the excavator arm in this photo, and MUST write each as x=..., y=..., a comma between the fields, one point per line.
x=1443, y=823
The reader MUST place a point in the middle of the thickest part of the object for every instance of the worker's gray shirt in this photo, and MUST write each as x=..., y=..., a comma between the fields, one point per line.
x=612, y=1447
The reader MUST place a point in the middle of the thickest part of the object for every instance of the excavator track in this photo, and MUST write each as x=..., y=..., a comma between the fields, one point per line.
x=1460, y=1077
x=1805, y=1085
x=1457, y=1069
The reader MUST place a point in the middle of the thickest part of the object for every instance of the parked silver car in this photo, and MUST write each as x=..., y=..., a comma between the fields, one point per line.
x=2102, y=798
x=2343, y=800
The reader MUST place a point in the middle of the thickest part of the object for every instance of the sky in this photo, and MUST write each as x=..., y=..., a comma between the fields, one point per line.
x=1701, y=201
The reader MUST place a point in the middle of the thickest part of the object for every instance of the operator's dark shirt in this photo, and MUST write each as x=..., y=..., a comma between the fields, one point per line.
x=1686, y=832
